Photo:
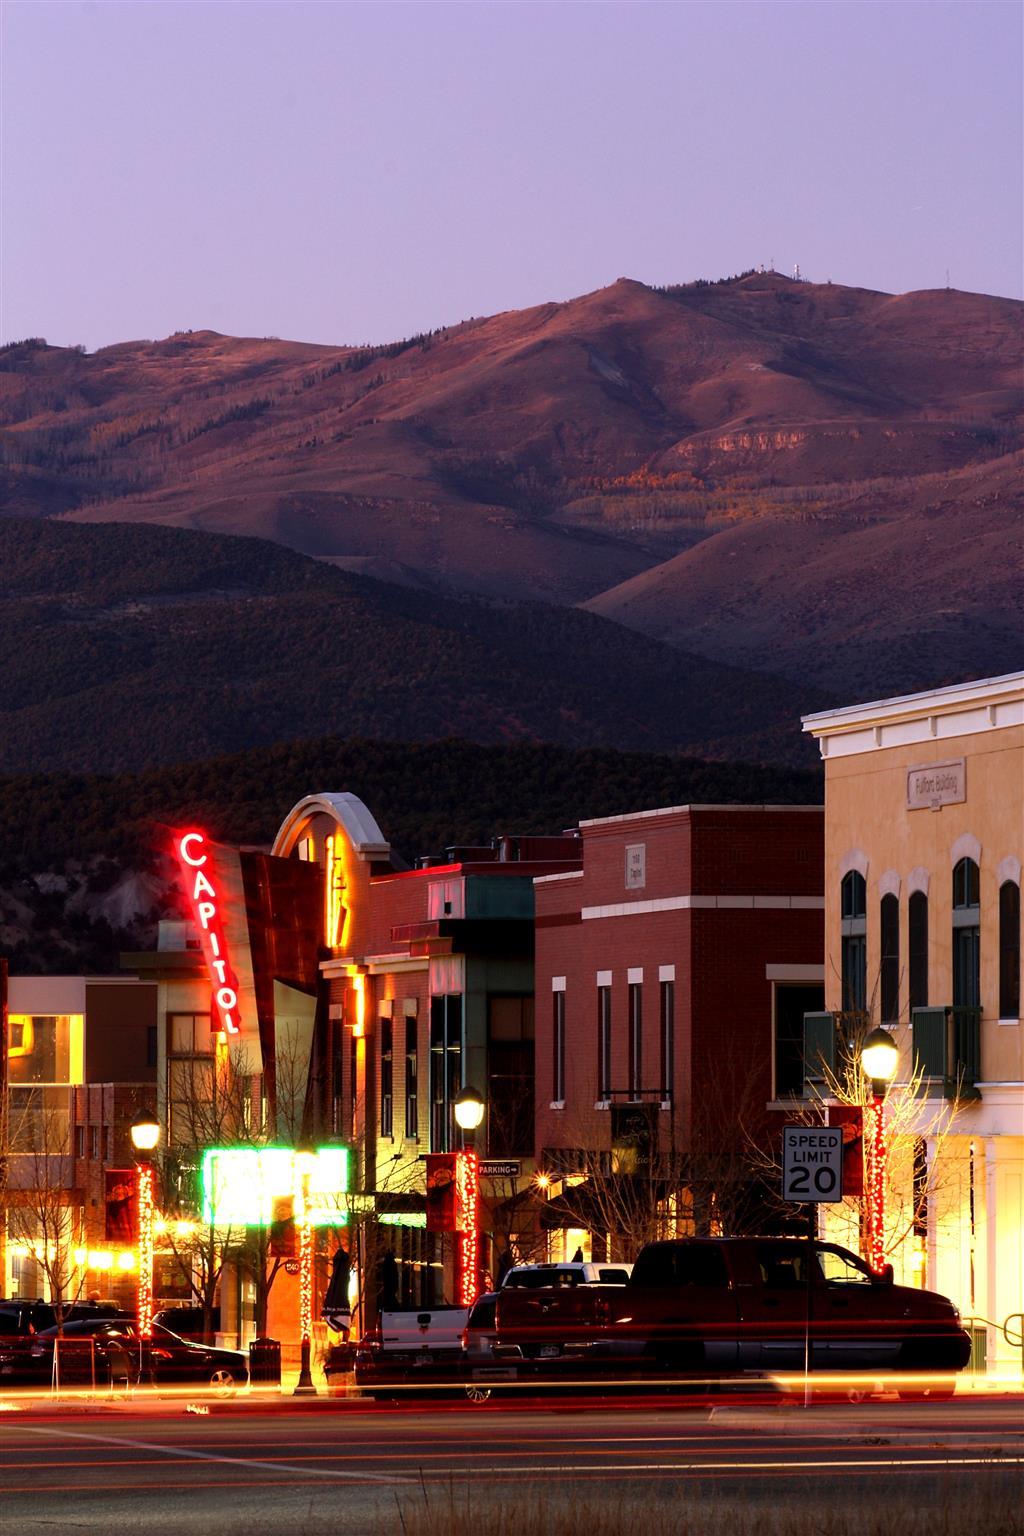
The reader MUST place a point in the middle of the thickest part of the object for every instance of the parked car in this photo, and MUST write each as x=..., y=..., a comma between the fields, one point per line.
x=696, y=1308
x=19, y=1316
x=482, y=1372
x=187, y=1322
x=417, y=1349
x=164, y=1359
x=22, y=1321
x=534, y=1276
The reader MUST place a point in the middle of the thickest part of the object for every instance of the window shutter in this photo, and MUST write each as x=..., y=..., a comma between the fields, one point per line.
x=819, y=1047
x=931, y=1034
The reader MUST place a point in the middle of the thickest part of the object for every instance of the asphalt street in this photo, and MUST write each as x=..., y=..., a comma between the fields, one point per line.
x=341, y=1468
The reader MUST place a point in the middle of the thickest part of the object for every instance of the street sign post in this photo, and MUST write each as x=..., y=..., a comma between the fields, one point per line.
x=812, y=1173
x=500, y=1167
x=812, y=1163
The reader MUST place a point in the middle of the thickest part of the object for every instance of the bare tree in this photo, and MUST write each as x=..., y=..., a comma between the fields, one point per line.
x=40, y=1214
x=917, y=1127
x=675, y=1174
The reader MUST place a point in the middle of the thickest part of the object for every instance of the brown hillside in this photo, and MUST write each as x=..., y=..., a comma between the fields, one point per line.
x=804, y=476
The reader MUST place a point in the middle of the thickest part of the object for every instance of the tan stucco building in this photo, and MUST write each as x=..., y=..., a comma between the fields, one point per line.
x=924, y=840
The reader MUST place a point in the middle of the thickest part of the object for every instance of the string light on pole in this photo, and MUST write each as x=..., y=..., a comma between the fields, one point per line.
x=145, y=1133
x=879, y=1058
x=469, y=1113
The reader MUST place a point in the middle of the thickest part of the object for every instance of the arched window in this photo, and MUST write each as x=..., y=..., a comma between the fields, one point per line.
x=966, y=935
x=917, y=957
x=1009, y=950
x=853, y=907
x=889, y=932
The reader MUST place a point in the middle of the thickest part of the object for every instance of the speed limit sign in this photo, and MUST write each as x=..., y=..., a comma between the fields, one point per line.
x=812, y=1163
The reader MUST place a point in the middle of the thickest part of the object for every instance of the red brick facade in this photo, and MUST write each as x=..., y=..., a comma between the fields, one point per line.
x=725, y=902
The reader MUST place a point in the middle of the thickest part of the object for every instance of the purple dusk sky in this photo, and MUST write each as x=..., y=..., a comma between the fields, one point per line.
x=348, y=173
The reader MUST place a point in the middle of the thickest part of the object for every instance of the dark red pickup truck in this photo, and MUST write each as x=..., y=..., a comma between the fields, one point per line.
x=724, y=1306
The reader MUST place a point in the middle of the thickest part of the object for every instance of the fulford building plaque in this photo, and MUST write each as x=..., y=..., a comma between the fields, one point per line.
x=936, y=784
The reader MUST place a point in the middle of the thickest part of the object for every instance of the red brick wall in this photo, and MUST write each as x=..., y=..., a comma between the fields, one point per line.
x=723, y=1000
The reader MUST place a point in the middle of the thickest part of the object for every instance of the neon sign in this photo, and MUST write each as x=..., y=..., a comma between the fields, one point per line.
x=197, y=873
x=258, y=1186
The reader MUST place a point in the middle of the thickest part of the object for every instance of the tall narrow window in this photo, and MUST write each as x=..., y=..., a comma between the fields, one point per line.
x=445, y=1069
x=668, y=1041
x=636, y=1039
x=511, y=1075
x=558, y=1047
x=854, y=955
x=353, y=1083
x=889, y=932
x=917, y=959
x=412, y=1080
x=966, y=935
x=1009, y=950
x=387, y=1078
x=604, y=1043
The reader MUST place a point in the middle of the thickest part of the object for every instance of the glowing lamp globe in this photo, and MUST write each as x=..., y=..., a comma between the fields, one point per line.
x=145, y=1131
x=879, y=1056
x=469, y=1109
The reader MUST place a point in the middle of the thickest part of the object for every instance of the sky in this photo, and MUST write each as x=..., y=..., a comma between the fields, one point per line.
x=350, y=173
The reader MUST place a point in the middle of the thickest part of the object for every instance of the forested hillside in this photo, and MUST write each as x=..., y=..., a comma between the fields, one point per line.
x=84, y=869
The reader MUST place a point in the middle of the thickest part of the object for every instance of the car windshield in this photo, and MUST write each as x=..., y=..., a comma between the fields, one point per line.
x=542, y=1276
x=840, y=1268
x=165, y=1334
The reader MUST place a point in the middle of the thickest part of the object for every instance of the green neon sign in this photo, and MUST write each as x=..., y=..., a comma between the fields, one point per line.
x=257, y=1186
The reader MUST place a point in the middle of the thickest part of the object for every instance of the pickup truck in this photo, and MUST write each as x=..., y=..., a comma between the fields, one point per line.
x=713, y=1307
x=411, y=1350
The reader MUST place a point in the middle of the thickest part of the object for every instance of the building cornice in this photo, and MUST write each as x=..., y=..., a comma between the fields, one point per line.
x=966, y=709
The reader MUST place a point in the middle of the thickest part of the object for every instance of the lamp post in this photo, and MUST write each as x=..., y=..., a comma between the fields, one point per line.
x=145, y=1133
x=469, y=1114
x=879, y=1057
x=304, y=1386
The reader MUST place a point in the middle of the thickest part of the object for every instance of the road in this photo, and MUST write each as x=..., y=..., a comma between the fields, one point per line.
x=340, y=1468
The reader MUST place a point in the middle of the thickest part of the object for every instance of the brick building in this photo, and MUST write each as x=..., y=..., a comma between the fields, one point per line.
x=673, y=971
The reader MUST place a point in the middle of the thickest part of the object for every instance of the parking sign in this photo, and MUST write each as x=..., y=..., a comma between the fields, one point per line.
x=812, y=1163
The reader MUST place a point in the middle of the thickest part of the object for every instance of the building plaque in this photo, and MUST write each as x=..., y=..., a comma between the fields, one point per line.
x=936, y=784
x=636, y=866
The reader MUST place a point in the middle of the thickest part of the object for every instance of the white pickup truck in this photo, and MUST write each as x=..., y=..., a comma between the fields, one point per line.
x=411, y=1350
x=533, y=1277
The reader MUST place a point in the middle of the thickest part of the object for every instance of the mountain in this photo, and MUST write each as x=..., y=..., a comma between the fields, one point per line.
x=820, y=478
x=126, y=647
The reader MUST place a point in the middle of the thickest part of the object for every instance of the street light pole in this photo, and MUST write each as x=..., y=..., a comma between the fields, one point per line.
x=469, y=1114
x=879, y=1057
x=145, y=1132
x=304, y=1386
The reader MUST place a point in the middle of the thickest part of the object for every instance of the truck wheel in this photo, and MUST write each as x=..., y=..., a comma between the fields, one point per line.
x=478, y=1394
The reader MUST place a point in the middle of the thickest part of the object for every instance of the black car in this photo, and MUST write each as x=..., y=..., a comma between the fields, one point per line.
x=121, y=1354
x=20, y=1317
x=187, y=1322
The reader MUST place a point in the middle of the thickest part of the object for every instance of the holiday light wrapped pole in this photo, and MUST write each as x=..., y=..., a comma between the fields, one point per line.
x=304, y=1232
x=145, y=1133
x=879, y=1058
x=469, y=1114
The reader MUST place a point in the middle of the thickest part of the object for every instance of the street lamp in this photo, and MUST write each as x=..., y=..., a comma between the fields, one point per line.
x=145, y=1131
x=469, y=1110
x=469, y=1113
x=879, y=1057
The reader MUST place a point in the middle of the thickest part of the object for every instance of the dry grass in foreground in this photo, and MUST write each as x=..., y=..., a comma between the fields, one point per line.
x=996, y=1509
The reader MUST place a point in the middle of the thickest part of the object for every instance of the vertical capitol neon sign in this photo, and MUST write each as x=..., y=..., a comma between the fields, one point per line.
x=197, y=873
